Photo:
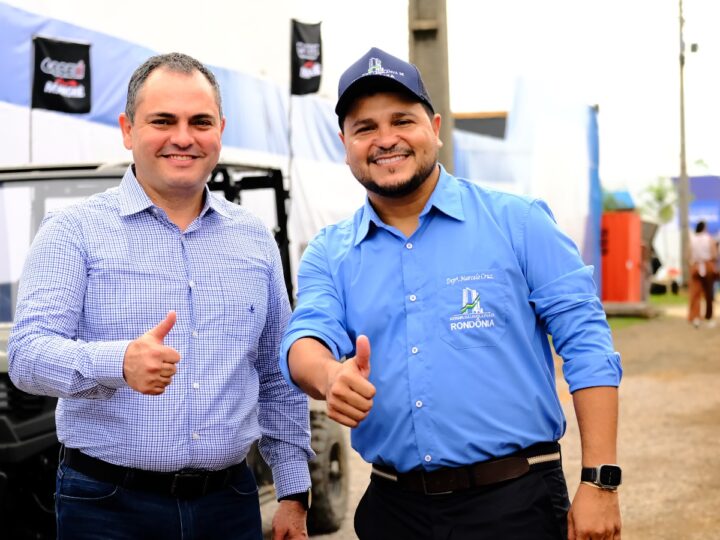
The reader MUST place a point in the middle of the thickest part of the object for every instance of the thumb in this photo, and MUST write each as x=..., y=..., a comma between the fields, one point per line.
x=362, y=355
x=164, y=327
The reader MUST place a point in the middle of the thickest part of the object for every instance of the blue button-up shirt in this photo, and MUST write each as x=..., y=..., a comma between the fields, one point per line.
x=101, y=273
x=458, y=317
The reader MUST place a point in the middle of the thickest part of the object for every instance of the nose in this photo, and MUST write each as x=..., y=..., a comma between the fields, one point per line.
x=181, y=136
x=386, y=137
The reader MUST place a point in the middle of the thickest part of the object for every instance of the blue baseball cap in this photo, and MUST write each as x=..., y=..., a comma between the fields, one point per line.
x=377, y=71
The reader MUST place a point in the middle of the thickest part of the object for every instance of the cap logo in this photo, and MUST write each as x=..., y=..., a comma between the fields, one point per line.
x=375, y=68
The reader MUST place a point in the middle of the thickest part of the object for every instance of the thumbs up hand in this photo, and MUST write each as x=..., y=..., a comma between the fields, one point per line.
x=349, y=392
x=362, y=355
x=149, y=365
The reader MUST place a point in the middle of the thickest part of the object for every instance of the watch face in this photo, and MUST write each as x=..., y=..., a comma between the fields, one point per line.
x=610, y=475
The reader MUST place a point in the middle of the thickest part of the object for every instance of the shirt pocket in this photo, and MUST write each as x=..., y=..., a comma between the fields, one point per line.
x=246, y=305
x=473, y=309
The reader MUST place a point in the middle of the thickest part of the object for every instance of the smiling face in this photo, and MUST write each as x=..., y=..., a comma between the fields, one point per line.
x=175, y=137
x=391, y=144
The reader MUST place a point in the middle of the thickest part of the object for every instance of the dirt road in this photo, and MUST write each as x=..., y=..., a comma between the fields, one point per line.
x=669, y=434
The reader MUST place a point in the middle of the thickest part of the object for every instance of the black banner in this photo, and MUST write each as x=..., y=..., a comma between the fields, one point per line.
x=61, y=75
x=306, y=58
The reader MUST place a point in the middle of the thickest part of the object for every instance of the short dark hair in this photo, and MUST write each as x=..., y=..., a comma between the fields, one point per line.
x=700, y=227
x=177, y=62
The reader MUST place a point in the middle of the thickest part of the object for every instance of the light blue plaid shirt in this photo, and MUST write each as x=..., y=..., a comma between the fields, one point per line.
x=101, y=273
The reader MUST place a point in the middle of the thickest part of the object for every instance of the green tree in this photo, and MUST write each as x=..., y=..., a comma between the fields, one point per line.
x=659, y=201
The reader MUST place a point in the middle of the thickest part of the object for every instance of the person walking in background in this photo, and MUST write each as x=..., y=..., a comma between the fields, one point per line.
x=154, y=311
x=702, y=260
x=440, y=295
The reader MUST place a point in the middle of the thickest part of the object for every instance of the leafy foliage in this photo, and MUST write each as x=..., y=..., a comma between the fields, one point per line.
x=659, y=201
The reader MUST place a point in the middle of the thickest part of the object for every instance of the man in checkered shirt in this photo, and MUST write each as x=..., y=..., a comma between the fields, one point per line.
x=154, y=312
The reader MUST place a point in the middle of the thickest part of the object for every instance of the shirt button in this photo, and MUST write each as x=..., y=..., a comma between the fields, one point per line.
x=194, y=333
x=409, y=245
x=413, y=297
x=418, y=403
x=191, y=283
x=196, y=385
x=428, y=458
x=196, y=436
x=414, y=350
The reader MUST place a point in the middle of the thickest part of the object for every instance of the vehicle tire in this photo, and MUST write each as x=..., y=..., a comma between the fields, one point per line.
x=329, y=475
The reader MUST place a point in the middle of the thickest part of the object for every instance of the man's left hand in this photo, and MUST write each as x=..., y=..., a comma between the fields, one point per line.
x=594, y=515
x=290, y=522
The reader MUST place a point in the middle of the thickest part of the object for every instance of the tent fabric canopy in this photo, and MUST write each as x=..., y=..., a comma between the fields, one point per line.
x=550, y=150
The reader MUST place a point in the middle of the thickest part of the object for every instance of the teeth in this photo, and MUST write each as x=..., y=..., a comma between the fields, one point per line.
x=385, y=161
x=182, y=158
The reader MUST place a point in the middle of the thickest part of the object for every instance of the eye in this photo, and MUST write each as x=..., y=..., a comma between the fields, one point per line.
x=363, y=129
x=160, y=122
x=203, y=122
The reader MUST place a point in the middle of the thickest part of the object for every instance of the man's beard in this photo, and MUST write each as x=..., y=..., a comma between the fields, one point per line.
x=402, y=188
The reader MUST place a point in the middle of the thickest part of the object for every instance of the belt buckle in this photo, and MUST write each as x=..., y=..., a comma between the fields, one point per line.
x=428, y=488
x=189, y=484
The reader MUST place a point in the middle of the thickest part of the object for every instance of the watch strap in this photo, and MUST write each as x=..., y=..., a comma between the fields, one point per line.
x=303, y=498
x=588, y=474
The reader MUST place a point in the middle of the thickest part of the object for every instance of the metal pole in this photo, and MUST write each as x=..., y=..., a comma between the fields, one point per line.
x=427, y=21
x=683, y=187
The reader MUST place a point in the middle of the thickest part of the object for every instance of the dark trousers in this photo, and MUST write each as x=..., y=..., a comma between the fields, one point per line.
x=532, y=507
x=88, y=509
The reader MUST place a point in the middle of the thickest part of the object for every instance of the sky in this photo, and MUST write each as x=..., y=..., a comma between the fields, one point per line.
x=621, y=55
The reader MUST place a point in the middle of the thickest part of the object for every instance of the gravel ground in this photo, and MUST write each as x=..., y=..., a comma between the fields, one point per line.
x=668, y=436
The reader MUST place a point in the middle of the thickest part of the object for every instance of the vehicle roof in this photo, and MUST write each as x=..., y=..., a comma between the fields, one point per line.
x=99, y=170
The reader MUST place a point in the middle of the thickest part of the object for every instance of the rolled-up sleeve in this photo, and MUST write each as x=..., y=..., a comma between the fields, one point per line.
x=320, y=312
x=565, y=299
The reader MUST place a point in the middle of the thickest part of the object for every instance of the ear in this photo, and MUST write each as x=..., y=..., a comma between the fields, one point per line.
x=342, y=140
x=436, y=122
x=222, y=124
x=126, y=128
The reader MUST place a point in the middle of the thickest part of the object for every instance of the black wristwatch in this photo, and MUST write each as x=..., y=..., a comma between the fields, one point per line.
x=603, y=476
x=302, y=497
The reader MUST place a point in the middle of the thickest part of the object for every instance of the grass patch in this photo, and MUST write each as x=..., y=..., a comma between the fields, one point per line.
x=669, y=299
x=616, y=323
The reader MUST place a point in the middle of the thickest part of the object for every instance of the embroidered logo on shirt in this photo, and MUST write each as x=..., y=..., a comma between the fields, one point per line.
x=252, y=308
x=470, y=314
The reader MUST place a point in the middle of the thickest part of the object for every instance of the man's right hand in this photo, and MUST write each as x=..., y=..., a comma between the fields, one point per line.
x=148, y=366
x=349, y=392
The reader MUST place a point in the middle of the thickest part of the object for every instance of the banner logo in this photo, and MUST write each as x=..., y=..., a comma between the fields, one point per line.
x=61, y=78
x=306, y=58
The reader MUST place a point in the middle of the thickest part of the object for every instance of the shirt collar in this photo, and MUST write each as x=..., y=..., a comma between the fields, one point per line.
x=133, y=198
x=446, y=198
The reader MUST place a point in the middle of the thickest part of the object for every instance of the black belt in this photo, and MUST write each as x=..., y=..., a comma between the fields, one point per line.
x=484, y=473
x=185, y=484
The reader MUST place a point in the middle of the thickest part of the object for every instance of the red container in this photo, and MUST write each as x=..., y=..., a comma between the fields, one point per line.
x=621, y=257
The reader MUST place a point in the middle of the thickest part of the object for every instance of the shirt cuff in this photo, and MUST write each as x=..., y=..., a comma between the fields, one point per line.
x=107, y=361
x=291, y=477
x=595, y=370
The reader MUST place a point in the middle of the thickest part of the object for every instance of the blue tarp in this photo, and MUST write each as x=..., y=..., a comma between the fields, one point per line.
x=256, y=109
x=545, y=154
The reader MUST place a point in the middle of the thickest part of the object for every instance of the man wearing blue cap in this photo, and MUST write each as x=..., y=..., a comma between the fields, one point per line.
x=457, y=288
